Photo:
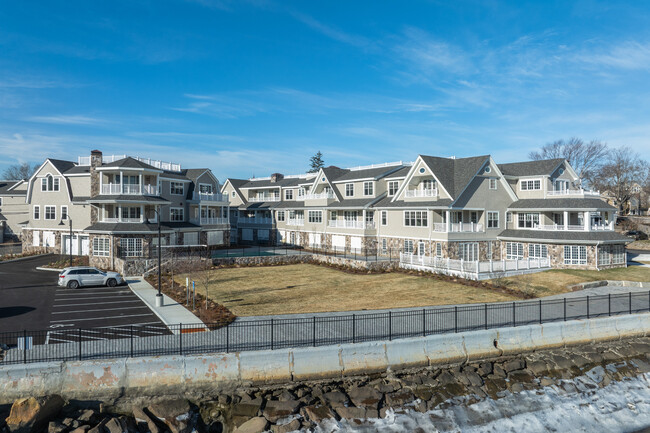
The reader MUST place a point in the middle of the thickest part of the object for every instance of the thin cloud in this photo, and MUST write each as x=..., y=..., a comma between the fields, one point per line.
x=630, y=55
x=67, y=120
x=331, y=32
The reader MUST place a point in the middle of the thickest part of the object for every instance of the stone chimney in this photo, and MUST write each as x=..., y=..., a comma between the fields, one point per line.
x=276, y=177
x=95, y=161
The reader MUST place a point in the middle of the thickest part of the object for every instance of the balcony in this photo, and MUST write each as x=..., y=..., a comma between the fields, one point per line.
x=572, y=193
x=574, y=227
x=458, y=227
x=418, y=193
x=351, y=224
x=257, y=220
x=264, y=198
x=129, y=189
x=322, y=195
x=296, y=222
x=197, y=196
x=123, y=220
x=207, y=221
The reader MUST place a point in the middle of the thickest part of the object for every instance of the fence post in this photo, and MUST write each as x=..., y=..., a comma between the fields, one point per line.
x=180, y=339
x=455, y=318
x=485, y=308
x=565, y=309
x=514, y=317
x=390, y=325
x=79, y=336
x=354, y=326
x=271, y=334
x=587, y=306
x=314, y=330
x=131, y=341
x=424, y=322
x=609, y=304
x=227, y=338
x=540, y=311
x=24, y=346
x=629, y=301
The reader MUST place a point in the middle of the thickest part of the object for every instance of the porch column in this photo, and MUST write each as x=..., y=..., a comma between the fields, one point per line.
x=121, y=184
x=140, y=180
x=566, y=220
x=587, y=221
x=119, y=213
x=101, y=182
x=448, y=220
x=363, y=218
x=141, y=213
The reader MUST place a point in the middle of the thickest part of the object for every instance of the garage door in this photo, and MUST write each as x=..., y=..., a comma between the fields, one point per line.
x=314, y=239
x=338, y=241
x=191, y=239
x=355, y=243
x=263, y=235
x=215, y=238
x=247, y=234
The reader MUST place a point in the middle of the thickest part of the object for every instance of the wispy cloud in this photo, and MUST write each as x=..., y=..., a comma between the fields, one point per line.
x=331, y=31
x=67, y=120
x=632, y=55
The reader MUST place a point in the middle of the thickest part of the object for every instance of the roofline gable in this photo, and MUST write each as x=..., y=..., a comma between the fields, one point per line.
x=410, y=174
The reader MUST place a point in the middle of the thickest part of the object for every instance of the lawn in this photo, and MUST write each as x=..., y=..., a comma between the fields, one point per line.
x=306, y=288
x=556, y=281
x=639, y=245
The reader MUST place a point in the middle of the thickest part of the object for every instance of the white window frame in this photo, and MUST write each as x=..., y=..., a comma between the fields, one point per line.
x=575, y=255
x=468, y=251
x=530, y=185
x=514, y=250
x=537, y=251
x=368, y=188
x=413, y=217
x=288, y=194
x=131, y=247
x=52, y=208
x=384, y=245
x=281, y=216
x=36, y=212
x=64, y=213
x=173, y=185
x=201, y=185
x=393, y=186
x=409, y=246
x=349, y=190
x=333, y=215
x=45, y=183
x=528, y=217
x=315, y=216
x=384, y=218
x=102, y=247
x=301, y=192
x=492, y=183
x=438, y=249
x=490, y=221
x=174, y=216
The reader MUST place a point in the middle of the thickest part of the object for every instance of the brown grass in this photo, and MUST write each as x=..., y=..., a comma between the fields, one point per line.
x=306, y=288
x=639, y=245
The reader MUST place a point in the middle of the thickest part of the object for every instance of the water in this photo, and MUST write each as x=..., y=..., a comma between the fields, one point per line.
x=576, y=405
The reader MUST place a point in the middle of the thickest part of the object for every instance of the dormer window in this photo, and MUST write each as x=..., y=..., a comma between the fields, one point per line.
x=288, y=194
x=427, y=185
x=368, y=188
x=50, y=183
x=301, y=192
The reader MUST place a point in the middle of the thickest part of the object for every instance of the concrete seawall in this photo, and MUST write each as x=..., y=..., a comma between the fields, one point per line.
x=173, y=375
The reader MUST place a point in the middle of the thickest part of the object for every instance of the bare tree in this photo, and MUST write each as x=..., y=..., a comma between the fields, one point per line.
x=585, y=158
x=206, y=278
x=19, y=171
x=622, y=169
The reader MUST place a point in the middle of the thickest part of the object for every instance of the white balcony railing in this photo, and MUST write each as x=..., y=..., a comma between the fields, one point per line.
x=411, y=193
x=574, y=227
x=122, y=220
x=209, y=197
x=458, y=227
x=264, y=198
x=129, y=189
x=107, y=159
x=351, y=224
x=322, y=195
x=257, y=220
x=572, y=193
x=296, y=222
x=206, y=221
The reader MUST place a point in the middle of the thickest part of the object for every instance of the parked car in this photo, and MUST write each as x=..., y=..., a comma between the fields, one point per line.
x=637, y=235
x=76, y=276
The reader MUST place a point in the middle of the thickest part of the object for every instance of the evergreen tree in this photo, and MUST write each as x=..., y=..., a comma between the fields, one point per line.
x=316, y=162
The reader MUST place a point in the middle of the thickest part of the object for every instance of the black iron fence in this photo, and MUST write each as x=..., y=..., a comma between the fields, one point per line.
x=272, y=333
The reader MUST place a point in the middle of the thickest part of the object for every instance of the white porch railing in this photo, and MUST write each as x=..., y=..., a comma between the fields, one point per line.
x=473, y=269
x=129, y=189
x=107, y=159
x=258, y=220
x=122, y=220
x=296, y=222
x=260, y=199
x=466, y=227
x=574, y=227
x=411, y=193
x=351, y=224
x=209, y=197
x=322, y=195
x=204, y=221
x=572, y=193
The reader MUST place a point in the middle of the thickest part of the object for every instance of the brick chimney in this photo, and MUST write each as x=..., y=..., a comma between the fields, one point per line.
x=95, y=161
x=276, y=177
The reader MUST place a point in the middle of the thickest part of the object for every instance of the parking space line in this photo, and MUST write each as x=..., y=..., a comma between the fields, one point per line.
x=94, y=292
x=93, y=297
x=134, y=324
x=100, y=318
x=94, y=303
x=103, y=309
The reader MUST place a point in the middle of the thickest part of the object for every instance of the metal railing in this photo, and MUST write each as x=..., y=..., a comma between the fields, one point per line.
x=264, y=334
x=458, y=227
x=256, y=220
x=473, y=268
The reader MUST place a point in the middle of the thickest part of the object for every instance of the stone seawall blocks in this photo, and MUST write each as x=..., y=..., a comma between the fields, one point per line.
x=91, y=377
x=316, y=362
x=408, y=352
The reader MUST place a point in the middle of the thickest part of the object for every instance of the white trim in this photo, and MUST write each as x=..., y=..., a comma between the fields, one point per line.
x=173, y=193
x=34, y=207
x=409, y=176
x=67, y=212
x=532, y=179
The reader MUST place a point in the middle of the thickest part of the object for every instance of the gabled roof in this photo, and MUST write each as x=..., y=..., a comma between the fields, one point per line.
x=455, y=174
x=531, y=168
x=261, y=183
x=236, y=184
x=388, y=202
x=62, y=165
x=129, y=162
x=402, y=172
x=370, y=173
x=6, y=185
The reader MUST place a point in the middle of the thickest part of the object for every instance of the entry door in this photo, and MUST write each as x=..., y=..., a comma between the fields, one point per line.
x=469, y=251
x=456, y=217
x=292, y=238
x=85, y=245
x=421, y=250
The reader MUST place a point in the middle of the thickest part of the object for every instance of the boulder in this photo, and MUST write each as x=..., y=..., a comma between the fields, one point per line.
x=88, y=416
x=83, y=429
x=286, y=428
x=31, y=415
x=99, y=428
x=365, y=396
x=399, y=398
x=351, y=413
x=316, y=413
x=253, y=425
x=249, y=408
x=144, y=420
x=56, y=427
x=176, y=414
x=335, y=398
x=275, y=410
x=515, y=364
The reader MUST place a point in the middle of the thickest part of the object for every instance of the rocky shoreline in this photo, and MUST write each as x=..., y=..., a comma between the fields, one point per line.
x=302, y=406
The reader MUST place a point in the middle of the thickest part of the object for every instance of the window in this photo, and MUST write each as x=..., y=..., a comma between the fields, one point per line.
x=368, y=188
x=205, y=188
x=176, y=188
x=537, y=251
x=575, y=255
x=415, y=218
x=350, y=215
x=528, y=220
x=493, y=220
x=438, y=249
x=333, y=215
x=492, y=183
x=101, y=247
x=50, y=183
x=393, y=186
x=427, y=184
x=131, y=213
x=489, y=250
x=50, y=212
x=384, y=245
x=288, y=194
x=508, y=217
x=618, y=254
x=370, y=217
x=64, y=212
x=315, y=216
x=232, y=194
x=37, y=212
x=176, y=214
x=408, y=247
x=301, y=192
x=130, y=247
x=514, y=251
x=473, y=217
x=384, y=218
x=468, y=251
x=349, y=189
x=0, y=201
x=280, y=215
x=529, y=185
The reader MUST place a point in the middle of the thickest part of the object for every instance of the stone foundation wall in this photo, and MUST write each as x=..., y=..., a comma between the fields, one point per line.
x=28, y=248
x=308, y=258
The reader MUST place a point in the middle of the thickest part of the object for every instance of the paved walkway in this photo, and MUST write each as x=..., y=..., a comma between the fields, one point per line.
x=171, y=312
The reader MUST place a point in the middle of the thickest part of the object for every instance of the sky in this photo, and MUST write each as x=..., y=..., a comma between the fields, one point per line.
x=251, y=87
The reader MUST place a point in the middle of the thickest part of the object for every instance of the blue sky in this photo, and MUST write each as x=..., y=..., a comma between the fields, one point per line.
x=253, y=87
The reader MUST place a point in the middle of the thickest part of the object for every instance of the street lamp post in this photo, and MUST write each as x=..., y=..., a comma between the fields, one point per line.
x=70, y=240
x=159, y=296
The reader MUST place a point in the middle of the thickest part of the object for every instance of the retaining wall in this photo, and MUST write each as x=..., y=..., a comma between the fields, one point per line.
x=173, y=375
x=307, y=258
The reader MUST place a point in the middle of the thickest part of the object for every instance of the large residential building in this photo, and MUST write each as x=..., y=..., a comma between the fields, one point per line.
x=465, y=209
x=113, y=204
x=14, y=212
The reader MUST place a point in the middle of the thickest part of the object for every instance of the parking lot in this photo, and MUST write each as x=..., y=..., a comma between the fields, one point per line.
x=32, y=301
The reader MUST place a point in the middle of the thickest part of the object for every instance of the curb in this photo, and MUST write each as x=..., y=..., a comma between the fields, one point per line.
x=25, y=258
x=41, y=268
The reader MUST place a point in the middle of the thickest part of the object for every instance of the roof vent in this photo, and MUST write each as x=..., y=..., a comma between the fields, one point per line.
x=276, y=177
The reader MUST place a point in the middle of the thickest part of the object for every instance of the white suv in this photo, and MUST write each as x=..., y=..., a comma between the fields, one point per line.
x=88, y=276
